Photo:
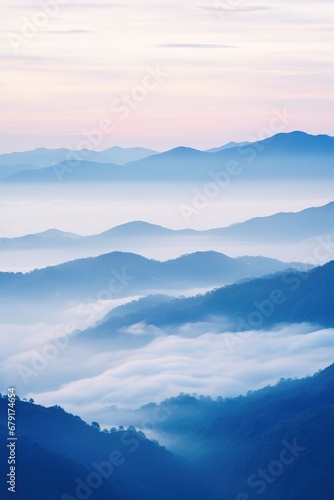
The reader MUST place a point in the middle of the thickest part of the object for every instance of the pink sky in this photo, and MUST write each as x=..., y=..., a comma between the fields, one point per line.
x=226, y=67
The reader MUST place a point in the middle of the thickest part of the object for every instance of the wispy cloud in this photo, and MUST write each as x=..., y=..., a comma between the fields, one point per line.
x=72, y=5
x=196, y=46
x=225, y=8
x=123, y=38
x=324, y=28
x=69, y=32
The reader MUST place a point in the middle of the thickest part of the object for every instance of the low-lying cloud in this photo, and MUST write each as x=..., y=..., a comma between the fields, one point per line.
x=209, y=364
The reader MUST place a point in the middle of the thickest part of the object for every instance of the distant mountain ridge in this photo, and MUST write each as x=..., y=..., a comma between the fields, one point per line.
x=229, y=145
x=294, y=155
x=294, y=225
x=285, y=226
x=12, y=163
x=284, y=298
x=124, y=274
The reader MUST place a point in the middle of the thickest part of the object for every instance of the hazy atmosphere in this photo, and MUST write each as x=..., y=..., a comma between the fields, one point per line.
x=167, y=250
x=226, y=68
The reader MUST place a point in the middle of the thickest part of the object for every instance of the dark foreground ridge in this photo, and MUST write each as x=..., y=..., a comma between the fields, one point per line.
x=276, y=443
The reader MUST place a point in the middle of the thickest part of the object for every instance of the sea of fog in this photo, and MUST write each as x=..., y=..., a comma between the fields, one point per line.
x=83, y=379
x=92, y=208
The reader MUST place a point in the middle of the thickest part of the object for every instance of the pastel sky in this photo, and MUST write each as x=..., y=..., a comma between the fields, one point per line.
x=226, y=66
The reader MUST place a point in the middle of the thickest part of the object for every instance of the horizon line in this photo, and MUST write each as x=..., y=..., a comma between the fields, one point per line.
x=248, y=140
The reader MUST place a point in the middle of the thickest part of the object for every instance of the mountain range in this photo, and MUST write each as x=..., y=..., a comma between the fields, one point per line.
x=235, y=438
x=277, y=442
x=294, y=155
x=281, y=228
x=121, y=274
x=61, y=325
x=59, y=456
x=42, y=157
x=229, y=145
x=287, y=297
